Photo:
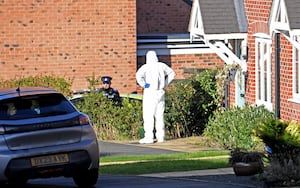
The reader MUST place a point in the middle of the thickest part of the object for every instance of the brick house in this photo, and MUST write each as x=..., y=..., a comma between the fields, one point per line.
x=271, y=73
x=79, y=39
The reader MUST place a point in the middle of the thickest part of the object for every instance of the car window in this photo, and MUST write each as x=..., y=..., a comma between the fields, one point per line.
x=35, y=106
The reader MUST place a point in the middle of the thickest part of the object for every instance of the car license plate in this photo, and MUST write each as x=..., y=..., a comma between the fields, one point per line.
x=50, y=159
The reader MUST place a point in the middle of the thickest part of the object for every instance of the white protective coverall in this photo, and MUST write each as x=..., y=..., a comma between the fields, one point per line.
x=154, y=76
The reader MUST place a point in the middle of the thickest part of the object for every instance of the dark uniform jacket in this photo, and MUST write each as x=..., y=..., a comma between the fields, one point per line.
x=111, y=93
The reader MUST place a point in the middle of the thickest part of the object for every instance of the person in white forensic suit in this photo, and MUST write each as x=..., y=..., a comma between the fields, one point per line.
x=154, y=76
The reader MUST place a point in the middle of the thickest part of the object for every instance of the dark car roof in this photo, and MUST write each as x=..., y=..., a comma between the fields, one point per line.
x=6, y=93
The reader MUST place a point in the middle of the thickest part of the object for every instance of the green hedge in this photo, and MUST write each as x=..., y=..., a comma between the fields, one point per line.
x=190, y=103
x=113, y=122
x=61, y=84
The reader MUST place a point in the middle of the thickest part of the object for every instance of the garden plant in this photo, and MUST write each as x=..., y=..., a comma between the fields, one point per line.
x=61, y=84
x=190, y=103
x=282, y=139
x=234, y=128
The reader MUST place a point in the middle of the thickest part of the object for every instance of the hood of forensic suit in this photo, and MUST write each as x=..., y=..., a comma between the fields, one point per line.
x=151, y=57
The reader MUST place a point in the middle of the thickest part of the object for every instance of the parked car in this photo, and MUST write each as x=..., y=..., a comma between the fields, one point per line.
x=43, y=135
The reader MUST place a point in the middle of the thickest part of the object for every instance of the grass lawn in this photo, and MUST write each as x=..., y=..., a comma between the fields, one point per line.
x=147, y=164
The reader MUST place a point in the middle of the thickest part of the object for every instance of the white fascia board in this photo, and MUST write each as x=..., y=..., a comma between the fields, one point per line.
x=164, y=51
x=193, y=16
x=274, y=10
x=225, y=36
x=195, y=23
x=276, y=22
x=262, y=35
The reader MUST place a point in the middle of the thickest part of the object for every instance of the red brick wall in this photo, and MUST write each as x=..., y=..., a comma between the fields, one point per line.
x=258, y=13
x=74, y=39
x=185, y=64
x=164, y=16
x=289, y=110
x=231, y=98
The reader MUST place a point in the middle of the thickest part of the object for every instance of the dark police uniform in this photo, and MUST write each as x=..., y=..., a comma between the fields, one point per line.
x=110, y=93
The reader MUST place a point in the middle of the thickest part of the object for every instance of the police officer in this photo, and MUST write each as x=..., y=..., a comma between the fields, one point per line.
x=109, y=92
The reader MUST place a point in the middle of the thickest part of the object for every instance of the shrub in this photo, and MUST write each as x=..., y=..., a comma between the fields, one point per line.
x=233, y=128
x=189, y=104
x=61, y=84
x=113, y=122
x=283, y=139
x=279, y=135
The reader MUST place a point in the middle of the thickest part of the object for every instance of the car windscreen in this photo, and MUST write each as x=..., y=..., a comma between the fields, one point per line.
x=24, y=107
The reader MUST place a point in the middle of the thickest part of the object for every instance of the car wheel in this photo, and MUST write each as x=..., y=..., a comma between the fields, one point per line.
x=86, y=178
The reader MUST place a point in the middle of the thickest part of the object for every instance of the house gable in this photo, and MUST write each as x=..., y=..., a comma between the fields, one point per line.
x=220, y=23
x=278, y=18
x=196, y=24
x=218, y=19
x=285, y=17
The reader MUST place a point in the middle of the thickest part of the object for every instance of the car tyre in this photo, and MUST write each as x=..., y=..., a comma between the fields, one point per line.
x=86, y=178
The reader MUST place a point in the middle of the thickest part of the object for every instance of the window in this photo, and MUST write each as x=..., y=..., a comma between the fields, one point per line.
x=296, y=70
x=263, y=72
x=34, y=106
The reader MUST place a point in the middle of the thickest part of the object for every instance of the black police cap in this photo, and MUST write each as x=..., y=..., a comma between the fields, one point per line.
x=106, y=79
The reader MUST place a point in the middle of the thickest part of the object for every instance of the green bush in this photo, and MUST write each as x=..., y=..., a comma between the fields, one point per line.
x=234, y=128
x=283, y=140
x=279, y=134
x=111, y=121
x=190, y=103
x=61, y=84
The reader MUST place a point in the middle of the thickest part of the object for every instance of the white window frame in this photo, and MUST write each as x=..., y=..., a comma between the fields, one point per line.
x=263, y=79
x=296, y=69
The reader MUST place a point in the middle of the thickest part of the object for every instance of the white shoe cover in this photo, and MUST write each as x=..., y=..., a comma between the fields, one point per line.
x=146, y=141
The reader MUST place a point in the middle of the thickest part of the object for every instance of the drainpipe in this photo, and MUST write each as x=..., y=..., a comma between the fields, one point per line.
x=226, y=97
x=277, y=75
